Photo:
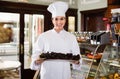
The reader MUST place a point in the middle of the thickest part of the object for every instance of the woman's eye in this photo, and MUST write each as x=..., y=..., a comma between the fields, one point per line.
x=56, y=19
x=61, y=18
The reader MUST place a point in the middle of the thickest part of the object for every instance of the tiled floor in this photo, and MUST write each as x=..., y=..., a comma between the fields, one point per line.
x=11, y=74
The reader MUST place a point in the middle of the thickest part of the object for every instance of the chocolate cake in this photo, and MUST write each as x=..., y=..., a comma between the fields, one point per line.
x=54, y=55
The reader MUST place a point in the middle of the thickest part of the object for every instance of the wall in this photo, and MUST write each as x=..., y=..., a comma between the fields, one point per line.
x=91, y=4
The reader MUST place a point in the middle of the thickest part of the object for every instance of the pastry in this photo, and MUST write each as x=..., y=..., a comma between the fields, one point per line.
x=110, y=76
x=116, y=76
x=96, y=56
x=103, y=77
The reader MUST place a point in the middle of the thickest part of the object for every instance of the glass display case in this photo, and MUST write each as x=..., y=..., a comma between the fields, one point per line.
x=105, y=67
x=109, y=66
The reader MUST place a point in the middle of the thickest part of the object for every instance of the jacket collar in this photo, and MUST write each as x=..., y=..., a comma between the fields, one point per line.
x=57, y=32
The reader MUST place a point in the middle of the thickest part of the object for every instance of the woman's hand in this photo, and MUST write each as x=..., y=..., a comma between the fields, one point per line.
x=75, y=61
x=39, y=60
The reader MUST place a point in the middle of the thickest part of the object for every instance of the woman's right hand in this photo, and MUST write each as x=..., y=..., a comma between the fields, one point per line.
x=39, y=61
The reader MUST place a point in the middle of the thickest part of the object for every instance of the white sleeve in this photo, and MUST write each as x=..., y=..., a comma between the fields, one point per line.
x=37, y=50
x=76, y=50
x=75, y=47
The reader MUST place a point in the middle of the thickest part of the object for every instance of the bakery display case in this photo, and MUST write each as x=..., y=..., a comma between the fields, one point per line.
x=109, y=66
x=106, y=66
x=90, y=61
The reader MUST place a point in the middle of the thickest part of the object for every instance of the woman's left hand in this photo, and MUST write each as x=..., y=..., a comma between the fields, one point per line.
x=75, y=61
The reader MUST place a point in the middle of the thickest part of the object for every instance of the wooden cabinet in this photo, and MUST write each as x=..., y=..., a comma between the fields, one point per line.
x=112, y=4
x=108, y=11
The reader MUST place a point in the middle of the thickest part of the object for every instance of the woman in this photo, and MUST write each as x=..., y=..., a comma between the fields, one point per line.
x=55, y=40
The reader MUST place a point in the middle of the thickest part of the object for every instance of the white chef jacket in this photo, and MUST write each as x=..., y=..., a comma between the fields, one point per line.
x=51, y=41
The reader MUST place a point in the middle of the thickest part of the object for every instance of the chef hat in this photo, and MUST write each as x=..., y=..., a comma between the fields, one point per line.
x=58, y=8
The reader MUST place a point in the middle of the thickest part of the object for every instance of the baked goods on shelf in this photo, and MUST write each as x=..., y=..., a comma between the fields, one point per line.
x=54, y=55
x=5, y=34
x=81, y=40
x=96, y=56
x=111, y=76
x=116, y=76
x=103, y=77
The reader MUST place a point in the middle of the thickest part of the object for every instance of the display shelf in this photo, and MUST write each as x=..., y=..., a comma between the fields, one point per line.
x=114, y=64
x=88, y=46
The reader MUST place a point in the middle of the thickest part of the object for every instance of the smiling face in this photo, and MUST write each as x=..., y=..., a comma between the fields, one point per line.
x=59, y=23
